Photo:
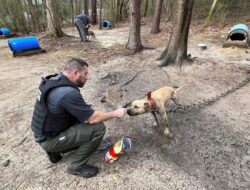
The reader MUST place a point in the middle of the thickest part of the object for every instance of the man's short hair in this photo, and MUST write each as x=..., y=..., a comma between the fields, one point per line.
x=75, y=64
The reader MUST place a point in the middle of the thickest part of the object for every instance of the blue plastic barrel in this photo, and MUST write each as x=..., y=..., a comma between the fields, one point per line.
x=106, y=24
x=23, y=44
x=238, y=31
x=4, y=31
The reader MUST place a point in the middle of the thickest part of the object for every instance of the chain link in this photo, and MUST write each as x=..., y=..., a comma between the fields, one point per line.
x=211, y=100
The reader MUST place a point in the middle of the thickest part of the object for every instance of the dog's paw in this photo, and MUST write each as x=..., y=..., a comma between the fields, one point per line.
x=167, y=133
x=155, y=124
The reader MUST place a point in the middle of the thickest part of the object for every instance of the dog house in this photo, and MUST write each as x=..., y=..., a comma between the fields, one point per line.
x=238, y=36
x=106, y=24
x=4, y=32
x=238, y=32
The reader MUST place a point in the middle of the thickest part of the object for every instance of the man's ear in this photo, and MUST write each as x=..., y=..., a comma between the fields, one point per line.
x=75, y=72
x=146, y=105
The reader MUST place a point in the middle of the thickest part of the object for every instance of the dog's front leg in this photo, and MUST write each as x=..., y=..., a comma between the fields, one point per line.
x=164, y=116
x=156, y=122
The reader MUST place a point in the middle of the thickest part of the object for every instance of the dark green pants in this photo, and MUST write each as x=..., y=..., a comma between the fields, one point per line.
x=84, y=138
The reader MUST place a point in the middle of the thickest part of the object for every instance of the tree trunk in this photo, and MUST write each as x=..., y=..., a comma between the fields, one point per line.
x=157, y=17
x=134, y=41
x=100, y=16
x=117, y=5
x=120, y=11
x=76, y=7
x=19, y=15
x=34, y=16
x=146, y=9
x=44, y=15
x=125, y=9
x=93, y=13
x=53, y=17
x=28, y=18
x=176, y=50
x=211, y=12
x=71, y=4
x=86, y=7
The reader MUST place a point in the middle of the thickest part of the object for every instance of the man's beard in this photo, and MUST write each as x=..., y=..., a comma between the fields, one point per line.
x=80, y=83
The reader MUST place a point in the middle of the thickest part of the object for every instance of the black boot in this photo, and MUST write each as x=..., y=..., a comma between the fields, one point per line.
x=54, y=157
x=85, y=171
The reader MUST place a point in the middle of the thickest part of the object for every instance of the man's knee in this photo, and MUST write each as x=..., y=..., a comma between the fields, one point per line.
x=100, y=127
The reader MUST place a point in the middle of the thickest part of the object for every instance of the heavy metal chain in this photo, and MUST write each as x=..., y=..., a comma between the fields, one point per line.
x=211, y=100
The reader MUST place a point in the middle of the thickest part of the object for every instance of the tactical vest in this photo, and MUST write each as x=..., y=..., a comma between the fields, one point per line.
x=46, y=124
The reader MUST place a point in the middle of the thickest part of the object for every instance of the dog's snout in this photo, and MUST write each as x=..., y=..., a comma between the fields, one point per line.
x=129, y=112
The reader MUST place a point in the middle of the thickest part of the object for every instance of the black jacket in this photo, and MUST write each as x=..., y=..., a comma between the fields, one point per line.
x=44, y=123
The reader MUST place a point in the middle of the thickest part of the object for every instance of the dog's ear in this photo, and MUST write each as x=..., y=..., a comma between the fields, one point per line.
x=146, y=105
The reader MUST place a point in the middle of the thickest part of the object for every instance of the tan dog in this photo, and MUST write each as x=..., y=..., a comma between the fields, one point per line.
x=155, y=102
x=90, y=33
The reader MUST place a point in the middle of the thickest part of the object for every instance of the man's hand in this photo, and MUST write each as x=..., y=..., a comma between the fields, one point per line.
x=120, y=112
x=99, y=116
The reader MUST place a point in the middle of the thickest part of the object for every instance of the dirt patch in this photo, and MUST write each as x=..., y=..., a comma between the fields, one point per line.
x=210, y=148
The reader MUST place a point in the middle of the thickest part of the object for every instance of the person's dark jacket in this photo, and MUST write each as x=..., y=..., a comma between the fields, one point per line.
x=83, y=18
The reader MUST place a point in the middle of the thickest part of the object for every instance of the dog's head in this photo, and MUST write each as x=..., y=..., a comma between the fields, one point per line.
x=91, y=33
x=138, y=107
x=174, y=95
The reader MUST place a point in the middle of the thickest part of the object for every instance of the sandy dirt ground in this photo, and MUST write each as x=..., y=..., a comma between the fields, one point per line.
x=211, y=145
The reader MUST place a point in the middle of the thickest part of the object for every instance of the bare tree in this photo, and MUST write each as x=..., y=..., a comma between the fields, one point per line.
x=93, y=12
x=86, y=7
x=34, y=16
x=44, y=15
x=157, y=17
x=145, y=9
x=53, y=17
x=134, y=41
x=100, y=16
x=71, y=4
x=118, y=10
x=176, y=50
x=211, y=12
x=77, y=7
x=18, y=15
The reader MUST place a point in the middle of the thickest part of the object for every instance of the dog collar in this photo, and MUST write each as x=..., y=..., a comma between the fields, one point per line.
x=151, y=102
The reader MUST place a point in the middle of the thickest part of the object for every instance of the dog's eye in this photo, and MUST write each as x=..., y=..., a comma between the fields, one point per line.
x=136, y=107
